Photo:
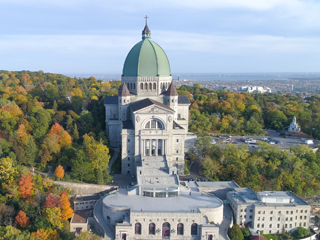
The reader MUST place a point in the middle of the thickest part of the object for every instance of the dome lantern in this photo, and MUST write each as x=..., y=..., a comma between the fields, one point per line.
x=146, y=33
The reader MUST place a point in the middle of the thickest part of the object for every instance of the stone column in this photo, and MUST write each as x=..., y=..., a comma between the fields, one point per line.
x=156, y=147
x=142, y=150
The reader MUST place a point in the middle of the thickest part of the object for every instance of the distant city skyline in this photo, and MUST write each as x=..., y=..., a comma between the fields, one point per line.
x=205, y=36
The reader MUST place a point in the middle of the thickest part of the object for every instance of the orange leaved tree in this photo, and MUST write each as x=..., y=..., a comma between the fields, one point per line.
x=22, y=219
x=26, y=185
x=59, y=172
x=64, y=204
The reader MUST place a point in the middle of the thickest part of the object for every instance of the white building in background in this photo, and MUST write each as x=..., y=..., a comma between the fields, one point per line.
x=269, y=211
x=149, y=121
x=254, y=89
x=294, y=127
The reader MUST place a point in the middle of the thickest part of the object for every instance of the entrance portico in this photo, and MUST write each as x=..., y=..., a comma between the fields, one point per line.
x=153, y=147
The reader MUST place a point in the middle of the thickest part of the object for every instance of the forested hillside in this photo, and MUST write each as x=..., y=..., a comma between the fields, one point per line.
x=43, y=122
x=247, y=114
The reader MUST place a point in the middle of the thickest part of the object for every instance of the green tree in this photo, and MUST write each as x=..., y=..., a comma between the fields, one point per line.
x=235, y=233
x=75, y=133
x=77, y=103
x=301, y=232
x=40, y=120
x=31, y=150
x=12, y=233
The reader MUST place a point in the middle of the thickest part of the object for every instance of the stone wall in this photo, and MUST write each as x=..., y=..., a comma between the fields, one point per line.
x=83, y=188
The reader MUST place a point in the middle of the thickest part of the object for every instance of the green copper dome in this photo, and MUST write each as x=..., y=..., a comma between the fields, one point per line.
x=146, y=59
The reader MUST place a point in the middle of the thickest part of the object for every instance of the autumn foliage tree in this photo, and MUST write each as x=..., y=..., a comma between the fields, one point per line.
x=52, y=201
x=42, y=234
x=59, y=172
x=64, y=204
x=64, y=137
x=26, y=185
x=22, y=220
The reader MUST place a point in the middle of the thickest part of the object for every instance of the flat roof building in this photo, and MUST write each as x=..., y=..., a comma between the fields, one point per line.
x=269, y=211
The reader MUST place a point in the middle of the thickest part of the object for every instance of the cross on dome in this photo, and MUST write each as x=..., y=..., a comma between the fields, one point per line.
x=146, y=17
x=146, y=33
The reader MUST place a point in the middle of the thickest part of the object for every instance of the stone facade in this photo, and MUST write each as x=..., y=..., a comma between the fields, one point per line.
x=149, y=121
x=270, y=215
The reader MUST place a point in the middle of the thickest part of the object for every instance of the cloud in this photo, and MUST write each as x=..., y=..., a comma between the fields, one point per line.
x=116, y=42
x=238, y=44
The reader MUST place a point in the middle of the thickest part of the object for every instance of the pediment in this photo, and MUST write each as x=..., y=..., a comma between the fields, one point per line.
x=154, y=110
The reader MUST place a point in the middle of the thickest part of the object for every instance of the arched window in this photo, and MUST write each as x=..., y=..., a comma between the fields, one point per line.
x=180, y=229
x=146, y=86
x=194, y=229
x=130, y=85
x=134, y=85
x=154, y=86
x=150, y=86
x=152, y=229
x=154, y=124
x=166, y=229
x=141, y=86
x=137, y=228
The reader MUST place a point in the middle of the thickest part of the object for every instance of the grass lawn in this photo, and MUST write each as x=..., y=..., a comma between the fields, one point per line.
x=270, y=236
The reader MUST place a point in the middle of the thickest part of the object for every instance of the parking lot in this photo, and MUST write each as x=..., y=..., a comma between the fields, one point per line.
x=283, y=143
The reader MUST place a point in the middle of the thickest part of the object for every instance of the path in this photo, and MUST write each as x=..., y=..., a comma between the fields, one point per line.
x=227, y=217
x=113, y=158
x=99, y=217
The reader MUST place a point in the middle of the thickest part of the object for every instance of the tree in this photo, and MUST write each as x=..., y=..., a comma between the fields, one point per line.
x=42, y=234
x=31, y=150
x=59, y=172
x=26, y=185
x=22, y=219
x=235, y=233
x=12, y=233
x=52, y=201
x=77, y=103
x=75, y=134
x=39, y=121
x=301, y=232
x=64, y=204
x=53, y=216
x=88, y=236
x=7, y=171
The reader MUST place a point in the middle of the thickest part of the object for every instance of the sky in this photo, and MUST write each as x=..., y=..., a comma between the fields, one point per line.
x=198, y=36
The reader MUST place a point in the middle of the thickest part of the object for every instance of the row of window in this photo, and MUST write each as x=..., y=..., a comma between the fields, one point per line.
x=147, y=86
x=287, y=219
x=286, y=225
x=81, y=203
x=166, y=229
x=279, y=212
x=271, y=218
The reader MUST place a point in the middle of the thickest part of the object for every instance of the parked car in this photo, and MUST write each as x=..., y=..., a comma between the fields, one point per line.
x=243, y=139
x=250, y=140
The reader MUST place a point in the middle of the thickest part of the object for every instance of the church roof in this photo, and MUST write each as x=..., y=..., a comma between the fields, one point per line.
x=146, y=59
x=111, y=100
x=183, y=100
x=172, y=91
x=123, y=90
x=146, y=103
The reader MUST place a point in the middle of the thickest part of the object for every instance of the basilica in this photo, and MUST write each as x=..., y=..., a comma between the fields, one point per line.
x=149, y=121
